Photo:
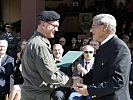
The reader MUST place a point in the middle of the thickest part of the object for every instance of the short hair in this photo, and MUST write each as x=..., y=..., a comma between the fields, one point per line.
x=106, y=19
x=87, y=46
x=58, y=45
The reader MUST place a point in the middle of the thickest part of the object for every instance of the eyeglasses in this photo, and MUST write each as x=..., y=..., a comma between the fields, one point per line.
x=94, y=26
x=61, y=41
x=53, y=25
x=86, y=52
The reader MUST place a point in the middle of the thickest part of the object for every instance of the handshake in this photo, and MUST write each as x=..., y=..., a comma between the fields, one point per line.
x=79, y=86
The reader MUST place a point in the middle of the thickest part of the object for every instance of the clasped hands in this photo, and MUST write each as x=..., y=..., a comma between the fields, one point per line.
x=79, y=87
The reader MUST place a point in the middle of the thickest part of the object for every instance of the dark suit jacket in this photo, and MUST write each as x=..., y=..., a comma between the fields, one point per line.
x=111, y=71
x=6, y=69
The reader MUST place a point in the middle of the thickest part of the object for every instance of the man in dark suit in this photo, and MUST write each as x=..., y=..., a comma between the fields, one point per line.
x=12, y=40
x=6, y=69
x=110, y=76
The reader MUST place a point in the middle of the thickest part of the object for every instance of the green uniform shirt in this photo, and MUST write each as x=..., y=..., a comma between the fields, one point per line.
x=39, y=70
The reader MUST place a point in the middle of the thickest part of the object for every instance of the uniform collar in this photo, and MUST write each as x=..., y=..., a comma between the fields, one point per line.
x=46, y=40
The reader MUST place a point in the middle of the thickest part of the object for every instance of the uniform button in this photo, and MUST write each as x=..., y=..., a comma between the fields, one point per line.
x=94, y=96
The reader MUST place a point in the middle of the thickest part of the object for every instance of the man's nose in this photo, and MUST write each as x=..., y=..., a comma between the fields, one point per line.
x=91, y=30
x=56, y=29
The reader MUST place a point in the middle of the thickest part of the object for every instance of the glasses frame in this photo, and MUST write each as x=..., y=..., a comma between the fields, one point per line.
x=55, y=26
x=94, y=26
x=86, y=52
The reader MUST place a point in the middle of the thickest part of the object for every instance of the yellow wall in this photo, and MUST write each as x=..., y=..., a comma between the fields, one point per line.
x=11, y=10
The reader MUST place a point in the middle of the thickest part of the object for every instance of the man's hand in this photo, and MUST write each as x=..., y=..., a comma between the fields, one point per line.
x=79, y=69
x=76, y=79
x=15, y=93
x=82, y=89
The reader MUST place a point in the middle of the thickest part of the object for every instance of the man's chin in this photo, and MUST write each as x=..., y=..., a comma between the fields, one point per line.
x=51, y=37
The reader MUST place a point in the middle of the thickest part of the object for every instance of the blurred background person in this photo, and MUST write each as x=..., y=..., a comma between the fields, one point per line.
x=95, y=44
x=9, y=35
x=73, y=45
x=18, y=79
x=60, y=93
x=15, y=93
x=6, y=70
x=57, y=52
x=85, y=42
x=63, y=41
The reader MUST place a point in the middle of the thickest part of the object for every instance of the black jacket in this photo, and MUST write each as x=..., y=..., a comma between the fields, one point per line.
x=6, y=69
x=110, y=76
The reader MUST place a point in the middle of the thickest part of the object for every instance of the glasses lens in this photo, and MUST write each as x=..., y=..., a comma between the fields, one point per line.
x=61, y=41
x=88, y=52
x=53, y=25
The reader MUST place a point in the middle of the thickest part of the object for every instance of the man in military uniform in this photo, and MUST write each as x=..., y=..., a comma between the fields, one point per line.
x=39, y=70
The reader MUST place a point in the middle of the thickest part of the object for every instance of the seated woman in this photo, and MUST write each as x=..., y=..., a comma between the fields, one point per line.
x=15, y=93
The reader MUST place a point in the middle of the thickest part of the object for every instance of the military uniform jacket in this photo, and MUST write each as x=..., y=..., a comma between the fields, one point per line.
x=111, y=71
x=38, y=68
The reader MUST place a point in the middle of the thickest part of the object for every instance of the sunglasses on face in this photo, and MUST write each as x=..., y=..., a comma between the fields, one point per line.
x=61, y=41
x=86, y=52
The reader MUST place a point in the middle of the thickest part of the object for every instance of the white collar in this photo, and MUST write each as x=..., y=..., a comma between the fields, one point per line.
x=2, y=56
x=108, y=38
x=89, y=61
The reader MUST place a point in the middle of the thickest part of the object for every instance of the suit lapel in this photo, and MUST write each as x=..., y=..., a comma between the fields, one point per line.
x=82, y=62
x=3, y=61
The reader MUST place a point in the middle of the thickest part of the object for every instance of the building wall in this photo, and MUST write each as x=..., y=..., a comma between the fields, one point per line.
x=71, y=24
x=54, y=4
x=11, y=10
x=29, y=11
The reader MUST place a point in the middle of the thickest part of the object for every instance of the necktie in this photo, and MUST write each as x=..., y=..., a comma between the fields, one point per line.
x=86, y=65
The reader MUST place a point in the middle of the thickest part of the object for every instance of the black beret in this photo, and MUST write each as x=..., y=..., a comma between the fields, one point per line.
x=48, y=16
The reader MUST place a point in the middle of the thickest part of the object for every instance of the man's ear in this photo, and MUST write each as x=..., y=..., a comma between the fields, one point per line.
x=43, y=23
x=105, y=28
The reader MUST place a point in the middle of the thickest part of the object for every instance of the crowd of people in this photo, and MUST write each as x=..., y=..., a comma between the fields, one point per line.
x=105, y=68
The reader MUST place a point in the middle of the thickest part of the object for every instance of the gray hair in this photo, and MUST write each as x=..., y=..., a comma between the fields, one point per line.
x=106, y=19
